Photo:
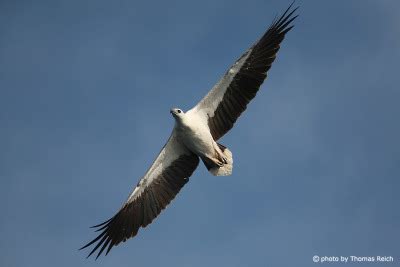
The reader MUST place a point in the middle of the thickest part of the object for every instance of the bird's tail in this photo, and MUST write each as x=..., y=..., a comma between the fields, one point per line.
x=219, y=167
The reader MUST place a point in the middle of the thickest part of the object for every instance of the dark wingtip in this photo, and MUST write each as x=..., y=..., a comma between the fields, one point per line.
x=101, y=224
x=285, y=16
x=101, y=239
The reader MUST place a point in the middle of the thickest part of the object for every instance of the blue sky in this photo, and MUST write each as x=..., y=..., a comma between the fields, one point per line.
x=85, y=92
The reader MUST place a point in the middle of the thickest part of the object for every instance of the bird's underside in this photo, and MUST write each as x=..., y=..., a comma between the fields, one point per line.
x=195, y=137
x=193, y=132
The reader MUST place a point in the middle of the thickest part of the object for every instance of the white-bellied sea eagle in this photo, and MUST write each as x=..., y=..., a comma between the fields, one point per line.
x=195, y=137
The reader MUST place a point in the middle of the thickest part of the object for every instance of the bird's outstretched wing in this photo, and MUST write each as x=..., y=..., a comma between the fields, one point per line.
x=168, y=174
x=223, y=105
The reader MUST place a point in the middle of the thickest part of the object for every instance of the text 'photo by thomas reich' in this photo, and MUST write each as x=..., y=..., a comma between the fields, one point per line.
x=194, y=138
x=352, y=259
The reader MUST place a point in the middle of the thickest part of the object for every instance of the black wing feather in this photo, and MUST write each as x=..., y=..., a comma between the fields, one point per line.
x=141, y=211
x=251, y=75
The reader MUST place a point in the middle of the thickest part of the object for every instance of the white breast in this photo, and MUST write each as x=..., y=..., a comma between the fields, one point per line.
x=195, y=134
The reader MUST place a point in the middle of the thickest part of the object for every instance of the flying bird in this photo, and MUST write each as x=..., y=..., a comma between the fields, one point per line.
x=194, y=138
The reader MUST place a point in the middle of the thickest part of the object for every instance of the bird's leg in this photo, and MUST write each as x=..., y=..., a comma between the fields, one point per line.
x=219, y=163
x=220, y=155
x=224, y=160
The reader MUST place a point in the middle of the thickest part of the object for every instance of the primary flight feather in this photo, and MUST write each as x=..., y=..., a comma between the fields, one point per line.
x=195, y=137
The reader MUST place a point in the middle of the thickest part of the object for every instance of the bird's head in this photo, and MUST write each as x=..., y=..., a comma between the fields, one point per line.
x=177, y=113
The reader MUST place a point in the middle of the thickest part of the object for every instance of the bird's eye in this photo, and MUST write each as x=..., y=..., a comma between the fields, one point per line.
x=179, y=111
